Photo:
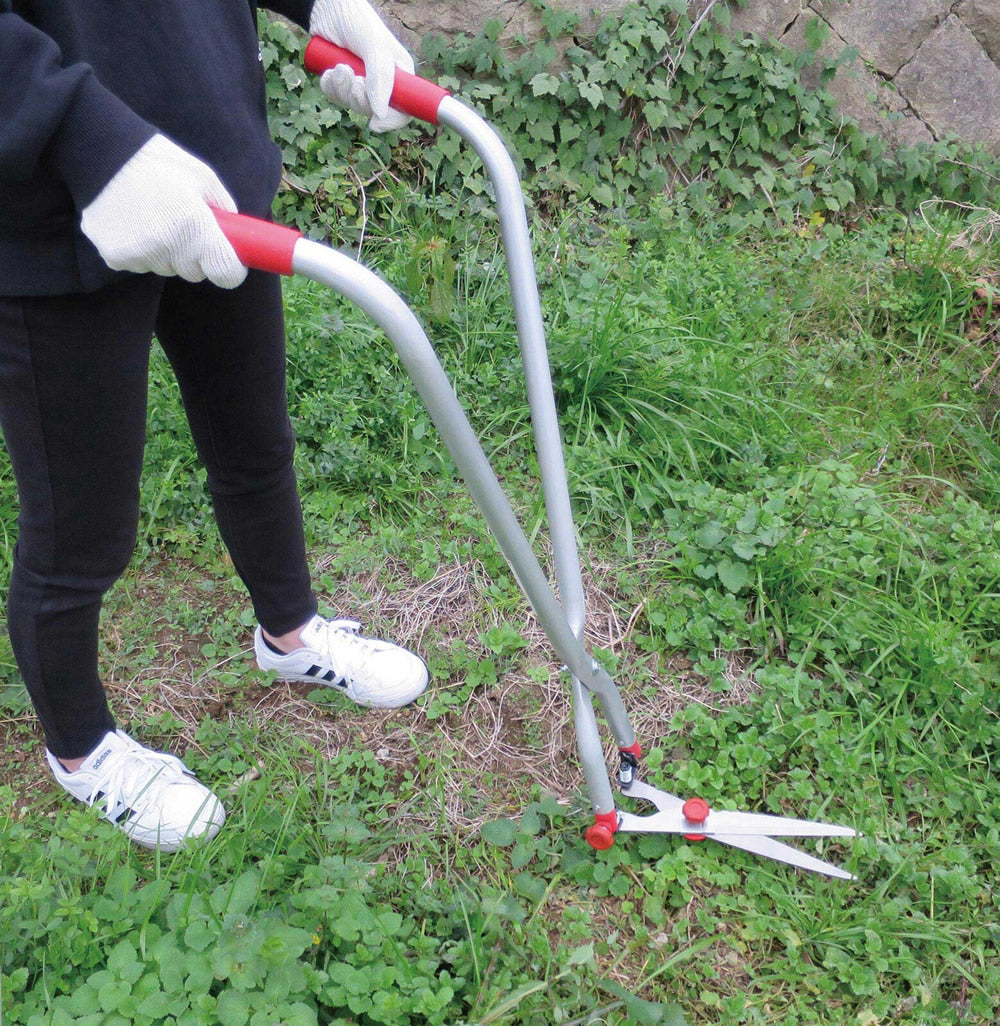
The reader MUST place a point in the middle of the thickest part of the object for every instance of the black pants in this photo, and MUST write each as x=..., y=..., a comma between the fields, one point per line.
x=73, y=384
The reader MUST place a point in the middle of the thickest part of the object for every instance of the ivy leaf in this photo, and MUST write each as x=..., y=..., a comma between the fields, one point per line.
x=568, y=131
x=592, y=93
x=292, y=76
x=765, y=179
x=661, y=115
x=816, y=33
x=603, y=194
x=843, y=190
x=868, y=178
x=541, y=130
x=544, y=84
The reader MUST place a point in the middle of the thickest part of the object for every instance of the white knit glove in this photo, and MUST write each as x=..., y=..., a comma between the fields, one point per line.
x=154, y=216
x=354, y=25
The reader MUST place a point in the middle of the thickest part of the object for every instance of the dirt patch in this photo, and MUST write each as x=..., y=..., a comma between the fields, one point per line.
x=504, y=739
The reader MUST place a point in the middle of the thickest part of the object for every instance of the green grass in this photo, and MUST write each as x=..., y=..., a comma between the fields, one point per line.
x=784, y=475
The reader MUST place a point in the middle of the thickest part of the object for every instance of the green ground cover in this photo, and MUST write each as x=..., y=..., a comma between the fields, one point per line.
x=781, y=444
x=784, y=477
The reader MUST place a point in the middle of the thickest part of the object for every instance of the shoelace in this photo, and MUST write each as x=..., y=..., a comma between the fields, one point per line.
x=123, y=771
x=345, y=633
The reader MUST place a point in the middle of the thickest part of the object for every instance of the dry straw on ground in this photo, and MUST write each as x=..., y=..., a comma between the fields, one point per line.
x=505, y=739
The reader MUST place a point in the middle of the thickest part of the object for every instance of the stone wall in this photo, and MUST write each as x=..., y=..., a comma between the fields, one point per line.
x=414, y=19
x=926, y=69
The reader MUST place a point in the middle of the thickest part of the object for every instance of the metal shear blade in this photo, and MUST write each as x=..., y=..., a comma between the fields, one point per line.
x=772, y=849
x=749, y=831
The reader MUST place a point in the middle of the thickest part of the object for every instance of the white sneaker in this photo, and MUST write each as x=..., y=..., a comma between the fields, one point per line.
x=368, y=671
x=152, y=797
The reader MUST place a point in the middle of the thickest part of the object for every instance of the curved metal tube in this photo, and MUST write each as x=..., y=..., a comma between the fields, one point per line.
x=377, y=299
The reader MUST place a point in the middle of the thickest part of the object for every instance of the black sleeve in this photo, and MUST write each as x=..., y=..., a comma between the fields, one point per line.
x=297, y=10
x=59, y=117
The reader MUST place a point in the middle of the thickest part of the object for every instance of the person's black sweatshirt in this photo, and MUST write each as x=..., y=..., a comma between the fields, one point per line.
x=85, y=83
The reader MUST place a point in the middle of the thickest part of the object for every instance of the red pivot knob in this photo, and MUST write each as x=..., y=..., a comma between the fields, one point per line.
x=695, y=811
x=601, y=833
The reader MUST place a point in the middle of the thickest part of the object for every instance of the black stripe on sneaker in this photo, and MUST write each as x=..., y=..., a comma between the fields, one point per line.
x=123, y=817
x=326, y=676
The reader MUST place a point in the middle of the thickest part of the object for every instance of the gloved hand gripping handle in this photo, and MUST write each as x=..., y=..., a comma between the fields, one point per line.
x=411, y=94
x=260, y=244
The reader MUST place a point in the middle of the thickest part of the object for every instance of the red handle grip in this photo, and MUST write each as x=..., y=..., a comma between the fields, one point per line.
x=411, y=94
x=260, y=244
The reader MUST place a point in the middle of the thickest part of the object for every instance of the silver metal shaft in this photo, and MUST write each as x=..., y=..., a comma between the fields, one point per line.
x=534, y=353
x=548, y=443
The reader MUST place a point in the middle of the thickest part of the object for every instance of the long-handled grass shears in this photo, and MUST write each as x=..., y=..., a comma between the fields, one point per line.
x=273, y=248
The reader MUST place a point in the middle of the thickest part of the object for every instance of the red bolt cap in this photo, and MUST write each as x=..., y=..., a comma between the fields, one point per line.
x=599, y=836
x=695, y=810
x=601, y=833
